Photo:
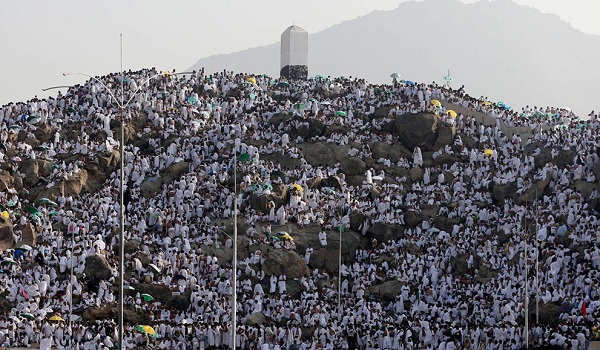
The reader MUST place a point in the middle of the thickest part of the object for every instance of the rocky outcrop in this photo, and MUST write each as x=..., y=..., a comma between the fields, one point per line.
x=386, y=291
x=28, y=235
x=416, y=130
x=111, y=311
x=383, y=232
x=284, y=262
x=75, y=184
x=322, y=153
x=7, y=240
x=97, y=267
x=352, y=166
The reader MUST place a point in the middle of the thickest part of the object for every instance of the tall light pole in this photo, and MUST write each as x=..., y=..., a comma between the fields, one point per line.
x=234, y=271
x=339, y=306
x=122, y=105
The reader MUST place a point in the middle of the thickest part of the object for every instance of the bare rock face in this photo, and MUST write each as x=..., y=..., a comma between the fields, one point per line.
x=6, y=180
x=386, y=291
x=383, y=232
x=111, y=311
x=501, y=192
x=97, y=267
x=75, y=184
x=31, y=170
x=416, y=130
x=6, y=234
x=44, y=133
x=178, y=169
x=29, y=236
x=285, y=262
x=352, y=166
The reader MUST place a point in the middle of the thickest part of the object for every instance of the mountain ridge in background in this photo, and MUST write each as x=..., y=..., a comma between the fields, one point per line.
x=500, y=49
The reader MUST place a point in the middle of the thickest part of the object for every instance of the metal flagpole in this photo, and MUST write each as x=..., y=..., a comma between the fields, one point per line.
x=537, y=263
x=121, y=217
x=526, y=298
x=339, y=307
x=234, y=272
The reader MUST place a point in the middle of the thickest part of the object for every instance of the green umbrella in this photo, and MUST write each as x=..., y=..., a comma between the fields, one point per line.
x=53, y=213
x=47, y=201
x=244, y=157
x=33, y=119
x=15, y=126
x=252, y=96
x=8, y=261
x=313, y=99
x=340, y=113
x=33, y=211
x=3, y=208
x=27, y=316
x=41, y=148
x=278, y=173
x=300, y=106
x=71, y=110
x=147, y=297
x=283, y=83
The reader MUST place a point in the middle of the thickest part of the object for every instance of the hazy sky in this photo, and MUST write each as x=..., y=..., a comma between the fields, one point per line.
x=42, y=39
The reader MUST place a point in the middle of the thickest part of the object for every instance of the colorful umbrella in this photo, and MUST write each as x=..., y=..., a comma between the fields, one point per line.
x=25, y=247
x=297, y=187
x=486, y=103
x=49, y=202
x=154, y=268
x=244, y=157
x=8, y=261
x=488, y=152
x=300, y=106
x=278, y=173
x=451, y=113
x=33, y=119
x=146, y=329
x=251, y=80
x=56, y=318
x=340, y=113
x=33, y=211
x=287, y=236
x=435, y=103
x=147, y=297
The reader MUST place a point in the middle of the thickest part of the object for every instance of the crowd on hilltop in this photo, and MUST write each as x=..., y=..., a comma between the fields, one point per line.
x=209, y=121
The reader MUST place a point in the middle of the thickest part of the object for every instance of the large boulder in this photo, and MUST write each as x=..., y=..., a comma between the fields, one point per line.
x=255, y=319
x=151, y=186
x=7, y=240
x=260, y=202
x=383, y=232
x=110, y=312
x=306, y=128
x=44, y=133
x=416, y=130
x=6, y=180
x=387, y=291
x=110, y=160
x=535, y=191
x=74, y=184
x=416, y=174
x=392, y=152
x=31, y=170
x=322, y=153
x=177, y=169
x=501, y=192
x=28, y=235
x=97, y=267
x=284, y=262
x=352, y=166
x=445, y=136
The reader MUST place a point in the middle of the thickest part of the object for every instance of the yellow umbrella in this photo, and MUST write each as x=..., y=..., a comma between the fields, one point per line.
x=486, y=103
x=436, y=103
x=488, y=152
x=146, y=329
x=56, y=318
x=251, y=80
x=451, y=113
x=297, y=187
x=287, y=236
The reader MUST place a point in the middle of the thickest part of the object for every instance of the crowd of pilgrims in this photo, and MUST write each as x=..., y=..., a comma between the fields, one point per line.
x=208, y=121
